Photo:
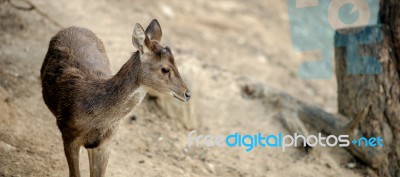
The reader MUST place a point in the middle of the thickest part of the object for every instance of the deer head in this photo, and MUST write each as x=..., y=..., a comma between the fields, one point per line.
x=158, y=69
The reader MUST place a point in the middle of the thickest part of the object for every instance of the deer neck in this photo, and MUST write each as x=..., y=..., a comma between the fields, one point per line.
x=115, y=97
x=125, y=86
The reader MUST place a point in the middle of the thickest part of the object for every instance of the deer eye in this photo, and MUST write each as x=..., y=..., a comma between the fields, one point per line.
x=165, y=70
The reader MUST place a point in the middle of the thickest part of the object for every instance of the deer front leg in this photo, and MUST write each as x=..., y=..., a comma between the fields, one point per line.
x=90, y=155
x=72, y=153
x=98, y=159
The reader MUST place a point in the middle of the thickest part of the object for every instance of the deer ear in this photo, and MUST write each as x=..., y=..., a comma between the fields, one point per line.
x=153, y=31
x=140, y=39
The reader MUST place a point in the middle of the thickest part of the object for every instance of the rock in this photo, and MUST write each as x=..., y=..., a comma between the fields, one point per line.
x=167, y=10
x=210, y=167
x=132, y=118
x=351, y=165
x=252, y=91
x=6, y=147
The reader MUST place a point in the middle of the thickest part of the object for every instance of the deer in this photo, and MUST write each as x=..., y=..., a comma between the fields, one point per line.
x=89, y=102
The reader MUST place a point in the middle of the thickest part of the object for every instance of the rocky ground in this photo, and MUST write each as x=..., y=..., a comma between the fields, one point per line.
x=223, y=49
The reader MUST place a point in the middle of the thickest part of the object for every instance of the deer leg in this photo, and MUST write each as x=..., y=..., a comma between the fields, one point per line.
x=98, y=159
x=72, y=153
x=90, y=155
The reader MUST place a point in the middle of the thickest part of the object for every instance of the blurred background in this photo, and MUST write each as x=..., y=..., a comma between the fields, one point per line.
x=231, y=54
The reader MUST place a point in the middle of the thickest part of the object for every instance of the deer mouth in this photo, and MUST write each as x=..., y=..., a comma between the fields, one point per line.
x=178, y=97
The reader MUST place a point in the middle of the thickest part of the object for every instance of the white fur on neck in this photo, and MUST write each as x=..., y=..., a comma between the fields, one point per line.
x=139, y=94
x=135, y=98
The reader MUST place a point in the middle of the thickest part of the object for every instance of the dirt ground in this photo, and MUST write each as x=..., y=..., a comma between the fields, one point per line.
x=218, y=45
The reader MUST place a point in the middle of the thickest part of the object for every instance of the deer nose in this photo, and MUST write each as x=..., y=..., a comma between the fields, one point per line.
x=187, y=95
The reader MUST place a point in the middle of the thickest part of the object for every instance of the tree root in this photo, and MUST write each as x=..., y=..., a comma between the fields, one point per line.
x=301, y=113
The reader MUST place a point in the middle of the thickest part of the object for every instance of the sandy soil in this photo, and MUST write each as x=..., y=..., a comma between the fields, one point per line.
x=218, y=45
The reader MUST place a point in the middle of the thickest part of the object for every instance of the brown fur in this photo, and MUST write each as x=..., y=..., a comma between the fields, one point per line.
x=88, y=101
